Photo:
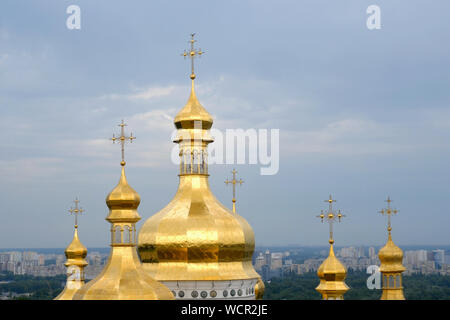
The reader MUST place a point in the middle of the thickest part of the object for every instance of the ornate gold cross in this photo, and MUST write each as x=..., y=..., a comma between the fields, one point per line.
x=122, y=139
x=331, y=216
x=233, y=183
x=76, y=211
x=192, y=53
x=388, y=211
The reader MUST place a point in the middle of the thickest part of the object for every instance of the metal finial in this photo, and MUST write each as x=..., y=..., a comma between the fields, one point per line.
x=233, y=183
x=122, y=139
x=331, y=216
x=192, y=53
x=388, y=212
x=76, y=211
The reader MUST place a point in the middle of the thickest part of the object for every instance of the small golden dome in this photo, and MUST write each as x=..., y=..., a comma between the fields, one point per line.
x=331, y=268
x=391, y=257
x=76, y=250
x=123, y=201
x=193, y=111
x=332, y=274
x=123, y=277
x=259, y=289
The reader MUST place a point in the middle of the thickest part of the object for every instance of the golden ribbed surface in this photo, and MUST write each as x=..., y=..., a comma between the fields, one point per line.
x=193, y=111
x=391, y=257
x=123, y=279
x=123, y=201
x=332, y=274
x=76, y=251
x=259, y=289
x=392, y=294
x=195, y=237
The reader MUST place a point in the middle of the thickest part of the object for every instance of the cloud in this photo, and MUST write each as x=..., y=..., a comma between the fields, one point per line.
x=349, y=137
x=27, y=169
x=143, y=93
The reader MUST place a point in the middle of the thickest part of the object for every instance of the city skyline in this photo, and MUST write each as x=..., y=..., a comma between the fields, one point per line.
x=362, y=115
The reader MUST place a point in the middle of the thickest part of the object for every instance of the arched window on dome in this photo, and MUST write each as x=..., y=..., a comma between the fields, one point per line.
x=126, y=234
x=398, y=281
x=195, y=161
x=117, y=235
x=180, y=154
x=391, y=282
x=187, y=161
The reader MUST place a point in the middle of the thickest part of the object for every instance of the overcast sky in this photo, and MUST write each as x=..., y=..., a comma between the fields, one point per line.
x=362, y=114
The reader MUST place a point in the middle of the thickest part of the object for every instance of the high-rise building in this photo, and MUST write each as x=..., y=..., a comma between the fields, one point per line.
x=195, y=245
x=372, y=253
x=276, y=261
x=439, y=258
x=259, y=261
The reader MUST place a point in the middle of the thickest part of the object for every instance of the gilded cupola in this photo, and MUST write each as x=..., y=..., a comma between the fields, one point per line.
x=195, y=240
x=391, y=258
x=123, y=277
x=332, y=272
x=75, y=253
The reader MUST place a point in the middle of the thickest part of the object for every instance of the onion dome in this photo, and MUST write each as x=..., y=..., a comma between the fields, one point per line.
x=195, y=237
x=76, y=252
x=391, y=257
x=123, y=202
x=123, y=277
x=191, y=112
x=332, y=274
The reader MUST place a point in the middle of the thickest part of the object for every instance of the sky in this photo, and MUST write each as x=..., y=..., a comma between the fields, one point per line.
x=362, y=113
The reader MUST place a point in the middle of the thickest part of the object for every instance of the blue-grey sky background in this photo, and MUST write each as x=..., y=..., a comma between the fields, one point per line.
x=362, y=113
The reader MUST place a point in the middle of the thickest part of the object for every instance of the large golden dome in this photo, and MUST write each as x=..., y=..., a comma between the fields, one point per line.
x=195, y=237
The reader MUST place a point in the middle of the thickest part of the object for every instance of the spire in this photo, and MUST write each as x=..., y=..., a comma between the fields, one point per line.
x=195, y=238
x=123, y=277
x=193, y=111
x=233, y=182
x=391, y=258
x=332, y=272
x=75, y=253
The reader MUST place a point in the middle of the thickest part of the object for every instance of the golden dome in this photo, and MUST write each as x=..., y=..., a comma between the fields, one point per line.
x=123, y=201
x=76, y=251
x=195, y=237
x=259, y=289
x=332, y=274
x=391, y=257
x=123, y=277
x=193, y=111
